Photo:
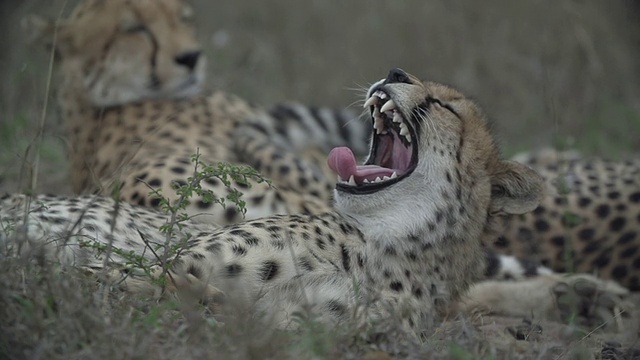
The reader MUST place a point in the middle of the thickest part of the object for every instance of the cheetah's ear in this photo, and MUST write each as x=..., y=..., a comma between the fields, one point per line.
x=515, y=189
x=47, y=32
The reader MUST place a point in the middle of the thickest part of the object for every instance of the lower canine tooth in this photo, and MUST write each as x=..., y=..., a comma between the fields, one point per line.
x=352, y=181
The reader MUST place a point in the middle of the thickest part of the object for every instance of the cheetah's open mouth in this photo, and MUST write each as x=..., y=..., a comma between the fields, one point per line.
x=393, y=155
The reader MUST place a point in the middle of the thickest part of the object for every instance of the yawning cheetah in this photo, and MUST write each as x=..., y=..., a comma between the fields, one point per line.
x=404, y=240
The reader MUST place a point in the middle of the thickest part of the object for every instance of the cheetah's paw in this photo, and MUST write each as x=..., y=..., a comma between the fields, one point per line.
x=583, y=297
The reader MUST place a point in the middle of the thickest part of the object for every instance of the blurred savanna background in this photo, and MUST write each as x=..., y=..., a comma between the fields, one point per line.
x=561, y=73
x=548, y=73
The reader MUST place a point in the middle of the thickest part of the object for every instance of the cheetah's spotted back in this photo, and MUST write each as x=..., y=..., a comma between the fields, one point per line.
x=589, y=220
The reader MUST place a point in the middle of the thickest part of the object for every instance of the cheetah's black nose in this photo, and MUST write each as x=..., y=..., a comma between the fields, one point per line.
x=397, y=76
x=188, y=59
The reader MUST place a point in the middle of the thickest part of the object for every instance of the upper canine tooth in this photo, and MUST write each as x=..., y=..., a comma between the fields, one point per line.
x=371, y=101
x=389, y=105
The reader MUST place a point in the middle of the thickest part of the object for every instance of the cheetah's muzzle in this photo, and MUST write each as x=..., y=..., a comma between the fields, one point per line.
x=392, y=157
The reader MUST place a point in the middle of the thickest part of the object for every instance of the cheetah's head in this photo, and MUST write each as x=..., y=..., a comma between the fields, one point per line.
x=432, y=158
x=120, y=51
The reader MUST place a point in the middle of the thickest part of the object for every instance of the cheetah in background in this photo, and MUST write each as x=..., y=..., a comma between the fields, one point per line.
x=588, y=221
x=405, y=238
x=132, y=73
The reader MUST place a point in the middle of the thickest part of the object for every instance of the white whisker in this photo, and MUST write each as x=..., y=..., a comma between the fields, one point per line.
x=360, y=89
x=355, y=118
x=356, y=102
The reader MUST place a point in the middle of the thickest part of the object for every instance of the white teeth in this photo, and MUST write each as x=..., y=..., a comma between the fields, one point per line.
x=389, y=110
x=372, y=101
x=380, y=94
x=404, y=131
x=379, y=180
x=389, y=105
x=379, y=125
x=352, y=181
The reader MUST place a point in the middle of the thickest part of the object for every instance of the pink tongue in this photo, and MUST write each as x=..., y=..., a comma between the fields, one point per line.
x=342, y=161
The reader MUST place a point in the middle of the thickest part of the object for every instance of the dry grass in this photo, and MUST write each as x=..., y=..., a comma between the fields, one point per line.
x=49, y=312
x=547, y=72
x=52, y=313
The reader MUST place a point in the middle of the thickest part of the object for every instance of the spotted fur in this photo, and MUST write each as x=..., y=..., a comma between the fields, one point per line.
x=589, y=220
x=131, y=98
